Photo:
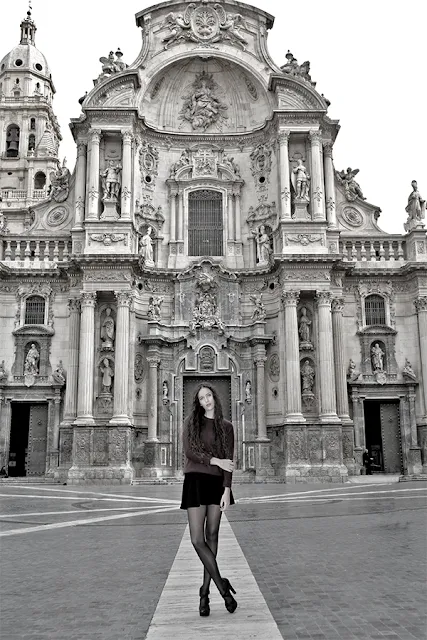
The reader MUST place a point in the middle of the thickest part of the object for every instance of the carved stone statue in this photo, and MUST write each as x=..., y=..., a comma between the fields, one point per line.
x=263, y=245
x=231, y=165
x=202, y=108
x=146, y=248
x=294, y=69
x=59, y=374
x=377, y=358
x=304, y=329
x=165, y=392
x=300, y=179
x=352, y=188
x=259, y=311
x=3, y=373
x=111, y=65
x=205, y=314
x=107, y=330
x=111, y=180
x=31, y=365
x=307, y=377
x=107, y=376
x=154, y=305
x=183, y=161
x=408, y=371
x=416, y=208
x=59, y=182
x=248, y=392
x=352, y=374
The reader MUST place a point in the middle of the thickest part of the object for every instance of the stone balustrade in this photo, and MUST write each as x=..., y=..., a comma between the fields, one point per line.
x=373, y=250
x=35, y=249
x=22, y=194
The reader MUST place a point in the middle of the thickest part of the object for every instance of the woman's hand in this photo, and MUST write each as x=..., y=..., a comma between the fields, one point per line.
x=225, y=500
x=223, y=463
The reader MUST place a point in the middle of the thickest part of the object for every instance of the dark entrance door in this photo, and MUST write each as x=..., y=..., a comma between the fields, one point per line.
x=382, y=432
x=28, y=439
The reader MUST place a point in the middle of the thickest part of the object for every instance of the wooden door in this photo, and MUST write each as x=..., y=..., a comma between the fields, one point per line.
x=37, y=440
x=390, y=434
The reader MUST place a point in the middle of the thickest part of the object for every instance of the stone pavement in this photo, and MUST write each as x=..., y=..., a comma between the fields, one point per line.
x=345, y=562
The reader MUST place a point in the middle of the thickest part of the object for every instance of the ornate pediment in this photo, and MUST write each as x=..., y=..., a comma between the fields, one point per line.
x=262, y=214
x=205, y=162
x=115, y=92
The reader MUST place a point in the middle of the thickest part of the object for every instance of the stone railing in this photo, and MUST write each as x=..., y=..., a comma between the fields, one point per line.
x=386, y=249
x=35, y=249
x=21, y=194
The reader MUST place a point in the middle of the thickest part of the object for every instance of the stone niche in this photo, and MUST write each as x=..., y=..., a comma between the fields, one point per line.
x=41, y=337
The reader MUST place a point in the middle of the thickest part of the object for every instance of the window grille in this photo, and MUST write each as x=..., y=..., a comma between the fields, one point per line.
x=374, y=310
x=34, y=310
x=205, y=225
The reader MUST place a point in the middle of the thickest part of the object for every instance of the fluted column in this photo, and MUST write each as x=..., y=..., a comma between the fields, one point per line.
x=121, y=371
x=260, y=360
x=70, y=409
x=230, y=217
x=339, y=359
x=237, y=213
x=317, y=195
x=292, y=366
x=421, y=306
x=153, y=365
x=95, y=139
x=172, y=196
x=80, y=189
x=86, y=359
x=326, y=358
x=56, y=414
x=126, y=192
x=180, y=234
x=331, y=215
x=285, y=188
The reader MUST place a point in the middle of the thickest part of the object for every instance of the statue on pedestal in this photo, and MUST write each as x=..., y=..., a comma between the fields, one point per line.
x=307, y=377
x=107, y=376
x=416, y=209
x=111, y=180
x=304, y=330
x=248, y=392
x=107, y=330
x=146, y=248
x=352, y=374
x=59, y=374
x=263, y=245
x=31, y=365
x=408, y=371
x=300, y=179
x=377, y=358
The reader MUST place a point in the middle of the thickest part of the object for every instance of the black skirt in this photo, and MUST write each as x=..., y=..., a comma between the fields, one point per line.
x=202, y=488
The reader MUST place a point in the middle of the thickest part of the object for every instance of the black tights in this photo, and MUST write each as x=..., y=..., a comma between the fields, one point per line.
x=204, y=538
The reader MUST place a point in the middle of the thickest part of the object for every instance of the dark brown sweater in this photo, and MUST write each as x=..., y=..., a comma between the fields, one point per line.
x=196, y=462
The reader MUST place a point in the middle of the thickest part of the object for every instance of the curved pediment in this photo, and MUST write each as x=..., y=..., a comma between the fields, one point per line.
x=205, y=96
x=116, y=91
x=295, y=94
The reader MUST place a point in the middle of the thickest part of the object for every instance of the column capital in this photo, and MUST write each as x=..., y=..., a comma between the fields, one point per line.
x=290, y=298
x=337, y=305
x=81, y=148
x=127, y=135
x=153, y=361
x=88, y=298
x=124, y=298
x=315, y=136
x=95, y=135
x=284, y=135
x=260, y=360
x=323, y=298
x=421, y=304
x=327, y=149
x=74, y=305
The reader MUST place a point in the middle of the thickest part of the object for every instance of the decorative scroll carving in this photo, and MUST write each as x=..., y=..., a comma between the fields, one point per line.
x=273, y=367
x=148, y=215
x=262, y=214
x=261, y=166
x=108, y=238
x=148, y=164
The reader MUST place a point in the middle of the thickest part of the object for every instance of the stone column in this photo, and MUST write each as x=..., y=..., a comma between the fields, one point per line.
x=153, y=364
x=230, y=219
x=86, y=359
x=95, y=139
x=292, y=368
x=339, y=359
x=172, y=196
x=80, y=188
x=285, y=188
x=70, y=409
x=421, y=307
x=237, y=214
x=180, y=234
x=317, y=195
x=126, y=193
x=55, y=434
x=326, y=359
x=260, y=360
x=121, y=371
x=331, y=215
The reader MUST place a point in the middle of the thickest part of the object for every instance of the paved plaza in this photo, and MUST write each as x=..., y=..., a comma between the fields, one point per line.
x=116, y=563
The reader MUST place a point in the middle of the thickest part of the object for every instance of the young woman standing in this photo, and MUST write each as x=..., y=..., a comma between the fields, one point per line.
x=208, y=441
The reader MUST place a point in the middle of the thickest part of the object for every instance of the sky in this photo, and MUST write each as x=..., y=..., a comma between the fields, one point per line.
x=368, y=58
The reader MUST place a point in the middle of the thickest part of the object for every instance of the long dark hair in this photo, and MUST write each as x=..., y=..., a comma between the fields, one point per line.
x=195, y=421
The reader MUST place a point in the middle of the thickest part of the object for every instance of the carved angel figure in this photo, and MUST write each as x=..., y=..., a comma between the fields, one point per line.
x=111, y=180
x=231, y=29
x=111, y=65
x=408, y=371
x=3, y=373
x=179, y=29
x=259, y=311
x=416, y=208
x=300, y=179
x=352, y=188
x=59, y=182
x=59, y=374
x=184, y=160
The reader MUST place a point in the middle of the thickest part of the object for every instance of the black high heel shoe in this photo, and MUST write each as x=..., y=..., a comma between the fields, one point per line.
x=204, y=608
x=230, y=602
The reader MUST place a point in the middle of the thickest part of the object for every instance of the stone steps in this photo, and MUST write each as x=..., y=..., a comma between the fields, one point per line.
x=28, y=480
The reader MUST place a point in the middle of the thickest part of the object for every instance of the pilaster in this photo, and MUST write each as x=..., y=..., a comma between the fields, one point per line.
x=421, y=307
x=80, y=188
x=285, y=187
x=328, y=411
x=126, y=191
x=93, y=178
x=121, y=377
x=339, y=359
x=317, y=194
x=70, y=409
x=86, y=359
x=293, y=380
x=331, y=214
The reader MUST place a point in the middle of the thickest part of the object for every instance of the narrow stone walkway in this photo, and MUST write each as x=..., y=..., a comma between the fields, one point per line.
x=177, y=614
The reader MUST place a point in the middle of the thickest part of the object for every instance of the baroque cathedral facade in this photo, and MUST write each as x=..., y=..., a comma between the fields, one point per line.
x=204, y=235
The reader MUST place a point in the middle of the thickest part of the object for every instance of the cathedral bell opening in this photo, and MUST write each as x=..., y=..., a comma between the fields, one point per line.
x=382, y=434
x=28, y=439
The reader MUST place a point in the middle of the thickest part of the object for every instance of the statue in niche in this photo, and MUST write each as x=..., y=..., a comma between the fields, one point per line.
x=165, y=392
x=377, y=358
x=202, y=108
x=301, y=181
x=259, y=311
x=416, y=208
x=307, y=377
x=146, y=248
x=31, y=365
x=107, y=330
x=154, y=304
x=262, y=240
x=59, y=182
x=59, y=374
x=408, y=371
x=107, y=376
x=3, y=373
x=248, y=392
x=304, y=330
x=111, y=180
x=352, y=188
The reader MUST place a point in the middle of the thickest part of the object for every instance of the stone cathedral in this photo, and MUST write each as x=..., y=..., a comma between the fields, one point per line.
x=203, y=235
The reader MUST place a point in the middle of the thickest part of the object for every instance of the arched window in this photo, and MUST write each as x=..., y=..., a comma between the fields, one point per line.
x=32, y=124
x=205, y=226
x=31, y=142
x=375, y=310
x=39, y=180
x=35, y=310
x=12, y=141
